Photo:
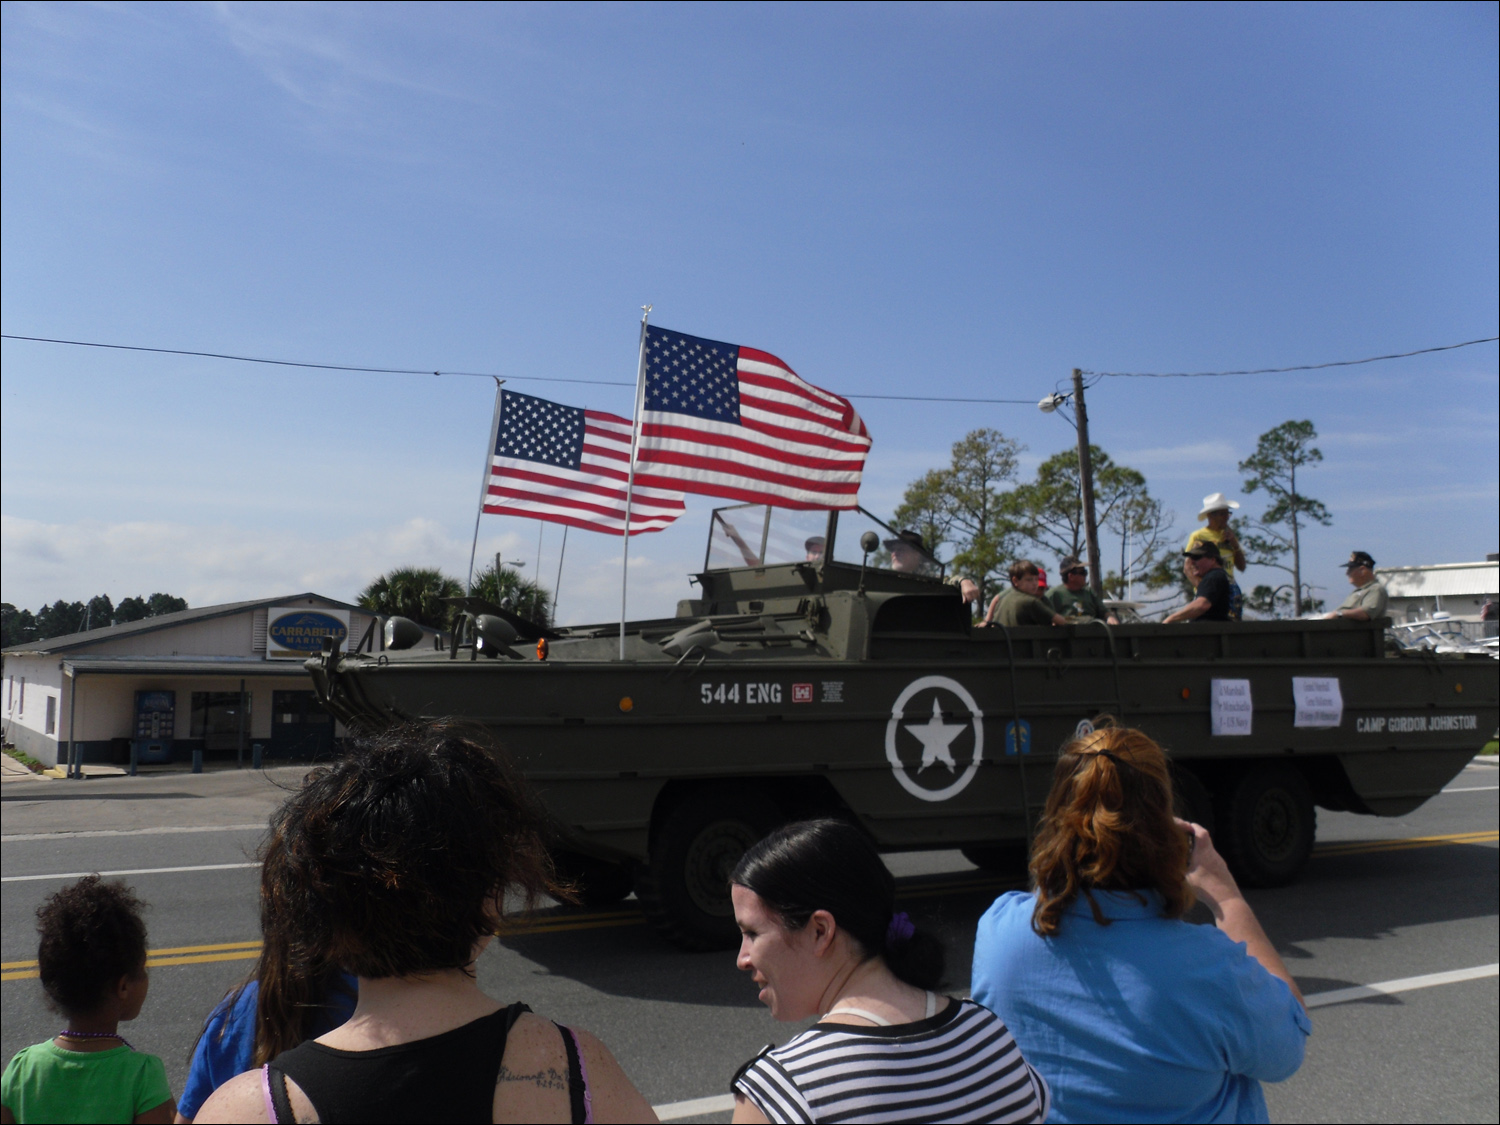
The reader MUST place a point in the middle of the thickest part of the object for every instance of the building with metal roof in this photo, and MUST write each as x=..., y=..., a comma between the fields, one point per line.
x=1458, y=589
x=217, y=681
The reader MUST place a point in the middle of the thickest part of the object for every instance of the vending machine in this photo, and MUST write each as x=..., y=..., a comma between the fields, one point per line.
x=155, y=717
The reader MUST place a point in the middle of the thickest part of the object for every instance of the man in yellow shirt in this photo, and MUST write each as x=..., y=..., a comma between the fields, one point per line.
x=1218, y=532
x=1216, y=508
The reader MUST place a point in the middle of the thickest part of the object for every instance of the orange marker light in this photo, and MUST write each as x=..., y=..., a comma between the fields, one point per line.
x=1458, y=687
x=541, y=648
x=627, y=705
x=1185, y=693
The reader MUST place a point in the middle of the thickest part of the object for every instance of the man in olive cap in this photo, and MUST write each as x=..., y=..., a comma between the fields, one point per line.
x=1075, y=598
x=1211, y=599
x=1369, y=599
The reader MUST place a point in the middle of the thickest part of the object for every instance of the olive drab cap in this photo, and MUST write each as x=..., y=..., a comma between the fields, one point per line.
x=1359, y=558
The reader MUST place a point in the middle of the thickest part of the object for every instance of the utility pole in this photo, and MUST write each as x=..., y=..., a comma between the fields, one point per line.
x=1086, y=480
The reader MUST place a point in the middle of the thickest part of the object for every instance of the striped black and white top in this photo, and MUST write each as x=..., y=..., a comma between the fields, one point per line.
x=959, y=1065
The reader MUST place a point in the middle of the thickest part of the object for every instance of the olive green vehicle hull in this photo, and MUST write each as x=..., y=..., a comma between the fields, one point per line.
x=887, y=707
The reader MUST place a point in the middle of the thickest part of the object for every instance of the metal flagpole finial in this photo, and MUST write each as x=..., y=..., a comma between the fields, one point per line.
x=645, y=312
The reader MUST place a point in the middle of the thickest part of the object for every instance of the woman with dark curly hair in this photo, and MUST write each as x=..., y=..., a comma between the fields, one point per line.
x=821, y=936
x=1130, y=1012
x=92, y=961
x=394, y=864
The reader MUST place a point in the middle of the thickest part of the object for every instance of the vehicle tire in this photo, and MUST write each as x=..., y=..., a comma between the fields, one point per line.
x=597, y=882
x=1191, y=799
x=1266, y=823
x=684, y=887
x=1009, y=858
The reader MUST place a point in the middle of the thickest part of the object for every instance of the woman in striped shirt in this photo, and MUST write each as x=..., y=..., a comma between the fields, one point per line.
x=821, y=937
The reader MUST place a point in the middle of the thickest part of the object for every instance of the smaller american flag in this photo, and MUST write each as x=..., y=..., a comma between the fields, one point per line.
x=568, y=465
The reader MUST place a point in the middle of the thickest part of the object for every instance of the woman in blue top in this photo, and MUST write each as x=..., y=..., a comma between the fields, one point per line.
x=1130, y=1013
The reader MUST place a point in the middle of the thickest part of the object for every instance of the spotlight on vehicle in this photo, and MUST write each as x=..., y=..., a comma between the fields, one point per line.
x=402, y=632
x=495, y=636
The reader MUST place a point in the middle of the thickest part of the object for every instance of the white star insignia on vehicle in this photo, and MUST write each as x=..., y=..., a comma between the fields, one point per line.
x=936, y=737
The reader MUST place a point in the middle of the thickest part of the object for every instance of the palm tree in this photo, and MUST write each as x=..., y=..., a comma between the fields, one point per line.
x=416, y=592
x=508, y=590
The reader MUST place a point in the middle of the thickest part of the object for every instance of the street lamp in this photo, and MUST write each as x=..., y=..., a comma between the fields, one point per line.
x=1049, y=405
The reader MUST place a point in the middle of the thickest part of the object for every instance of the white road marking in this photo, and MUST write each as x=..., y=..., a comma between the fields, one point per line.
x=1405, y=984
x=10, y=839
x=694, y=1107
x=724, y=1103
x=129, y=871
x=1473, y=789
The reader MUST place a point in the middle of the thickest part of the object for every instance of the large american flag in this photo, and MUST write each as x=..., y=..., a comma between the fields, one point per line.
x=568, y=465
x=739, y=423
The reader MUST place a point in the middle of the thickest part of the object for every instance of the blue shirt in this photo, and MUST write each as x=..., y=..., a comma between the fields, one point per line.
x=1146, y=1019
x=227, y=1045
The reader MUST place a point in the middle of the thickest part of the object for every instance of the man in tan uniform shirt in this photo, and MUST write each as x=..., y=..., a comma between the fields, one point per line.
x=1369, y=600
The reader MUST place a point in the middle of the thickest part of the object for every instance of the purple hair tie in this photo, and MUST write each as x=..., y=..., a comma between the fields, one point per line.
x=900, y=930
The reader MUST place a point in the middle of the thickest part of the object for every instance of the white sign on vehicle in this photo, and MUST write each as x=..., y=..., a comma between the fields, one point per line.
x=1232, y=707
x=935, y=738
x=1319, y=701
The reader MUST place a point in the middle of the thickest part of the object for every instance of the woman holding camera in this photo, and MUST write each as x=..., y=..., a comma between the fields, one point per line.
x=1131, y=1013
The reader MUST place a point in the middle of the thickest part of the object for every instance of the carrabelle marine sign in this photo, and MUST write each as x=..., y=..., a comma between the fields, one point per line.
x=298, y=633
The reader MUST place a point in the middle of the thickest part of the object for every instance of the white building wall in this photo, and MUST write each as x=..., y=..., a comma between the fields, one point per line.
x=29, y=682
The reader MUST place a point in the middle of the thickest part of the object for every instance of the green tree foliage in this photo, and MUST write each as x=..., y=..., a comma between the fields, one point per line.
x=1049, y=513
x=138, y=609
x=59, y=619
x=507, y=589
x=17, y=625
x=62, y=618
x=964, y=507
x=1272, y=468
x=1276, y=601
x=416, y=592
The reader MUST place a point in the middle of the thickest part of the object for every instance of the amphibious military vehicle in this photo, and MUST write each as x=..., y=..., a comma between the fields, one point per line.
x=810, y=677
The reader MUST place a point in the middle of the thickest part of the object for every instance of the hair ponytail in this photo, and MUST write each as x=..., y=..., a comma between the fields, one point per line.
x=830, y=865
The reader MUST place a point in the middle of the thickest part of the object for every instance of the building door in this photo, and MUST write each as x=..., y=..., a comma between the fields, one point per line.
x=299, y=727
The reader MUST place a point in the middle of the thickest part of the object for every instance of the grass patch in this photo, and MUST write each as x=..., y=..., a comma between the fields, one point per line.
x=36, y=767
x=1491, y=747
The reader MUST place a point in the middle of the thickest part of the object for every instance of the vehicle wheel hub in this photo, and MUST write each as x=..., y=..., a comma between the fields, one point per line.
x=1275, y=825
x=710, y=859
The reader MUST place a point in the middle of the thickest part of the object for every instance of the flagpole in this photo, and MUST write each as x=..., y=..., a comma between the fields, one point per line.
x=635, y=440
x=557, y=587
x=484, y=482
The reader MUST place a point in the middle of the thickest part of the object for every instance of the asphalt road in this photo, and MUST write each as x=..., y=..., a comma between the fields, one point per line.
x=1383, y=900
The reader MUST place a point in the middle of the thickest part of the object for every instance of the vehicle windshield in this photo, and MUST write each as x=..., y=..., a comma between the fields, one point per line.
x=762, y=535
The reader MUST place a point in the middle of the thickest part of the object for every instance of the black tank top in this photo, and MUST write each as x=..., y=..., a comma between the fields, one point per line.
x=449, y=1077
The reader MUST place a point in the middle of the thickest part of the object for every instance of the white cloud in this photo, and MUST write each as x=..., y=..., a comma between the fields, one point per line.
x=209, y=564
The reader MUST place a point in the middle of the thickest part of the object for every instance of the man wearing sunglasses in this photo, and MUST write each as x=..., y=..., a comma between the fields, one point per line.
x=1075, y=598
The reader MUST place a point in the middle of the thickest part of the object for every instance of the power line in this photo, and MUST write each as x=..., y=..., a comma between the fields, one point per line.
x=417, y=371
x=1280, y=370
x=303, y=363
x=1095, y=376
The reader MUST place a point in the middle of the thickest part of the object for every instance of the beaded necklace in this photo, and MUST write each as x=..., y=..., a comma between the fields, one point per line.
x=94, y=1035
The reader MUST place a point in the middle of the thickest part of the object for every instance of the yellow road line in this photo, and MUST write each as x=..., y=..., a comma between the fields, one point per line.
x=1361, y=846
x=248, y=950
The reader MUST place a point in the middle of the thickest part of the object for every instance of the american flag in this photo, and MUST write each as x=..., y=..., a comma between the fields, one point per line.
x=735, y=422
x=569, y=465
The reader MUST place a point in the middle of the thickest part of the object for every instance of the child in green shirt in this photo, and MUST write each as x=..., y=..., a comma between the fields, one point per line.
x=92, y=962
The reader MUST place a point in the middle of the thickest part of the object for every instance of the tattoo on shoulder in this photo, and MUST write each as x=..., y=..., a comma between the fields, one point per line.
x=547, y=1079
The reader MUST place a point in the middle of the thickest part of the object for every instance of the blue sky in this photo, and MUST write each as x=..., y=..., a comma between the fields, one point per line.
x=945, y=200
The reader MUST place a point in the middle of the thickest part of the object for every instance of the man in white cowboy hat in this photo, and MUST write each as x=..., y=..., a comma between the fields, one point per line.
x=1216, y=508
